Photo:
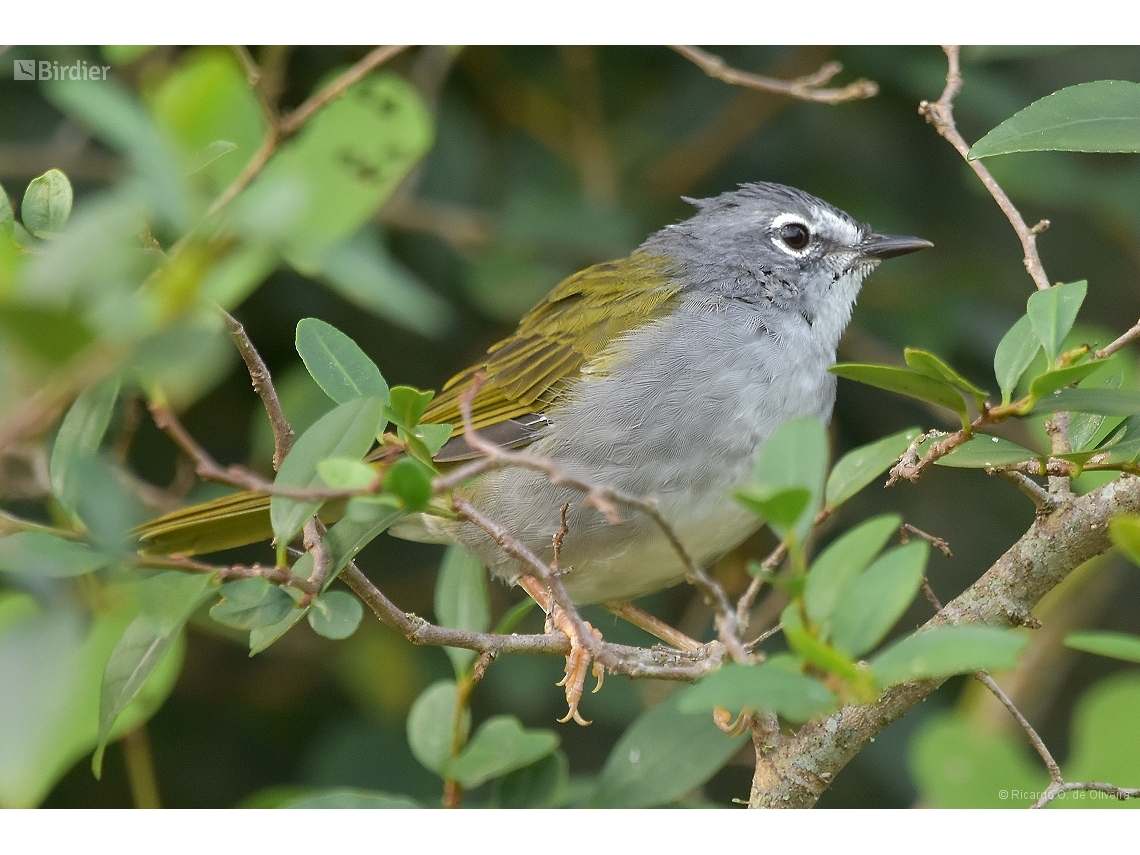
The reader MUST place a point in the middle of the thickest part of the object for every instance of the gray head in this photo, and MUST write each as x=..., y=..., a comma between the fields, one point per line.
x=768, y=244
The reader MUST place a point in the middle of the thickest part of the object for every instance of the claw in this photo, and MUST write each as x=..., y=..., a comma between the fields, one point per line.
x=576, y=668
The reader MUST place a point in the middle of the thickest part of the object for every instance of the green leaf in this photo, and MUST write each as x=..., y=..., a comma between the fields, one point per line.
x=143, y=646
x=80, y=435
x=1105, y=745
x=335, y=615
x=860, y=466
x=1084, y=427
x=1051, y=381
x=337, y=363
x=537, y=785
x=1124, y=531
x=345, y=799
x=250, y=603
x=7, y=218
x=348, y=431
x=430, y=723
x=925, y=362
x=943, y=651
x=51, y=667
x=113, y=113
x=905, y=382
x=433, y=437
x=106, y=505
x=363, y=271
x=38, y=554
x=47, y=204
x=1052, y=313
x=344, y=163
x=1101, y=116
x=987, y=452
x=1114, y=644
x=760, y=688
x=407, y=405
x=1110, y=402
x=410, y=480
x=815, y=652
x=500, y=745
x=956, y=764
x=871, y=603
x=462, y=601
x=663, y=755
x=1015, y=352
x=779, y=507
x=346, y=473
x=795, y=456
x=842, y=561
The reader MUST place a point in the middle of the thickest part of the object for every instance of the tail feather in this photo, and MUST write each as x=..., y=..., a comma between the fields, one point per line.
x=224, y=523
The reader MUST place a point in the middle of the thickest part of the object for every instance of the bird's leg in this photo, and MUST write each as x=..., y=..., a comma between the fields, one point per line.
x=642, y=619
x=578, y=660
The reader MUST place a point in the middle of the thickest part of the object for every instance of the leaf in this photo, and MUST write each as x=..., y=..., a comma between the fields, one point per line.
x=872, y=603
x=407, y=405
x=987, y=452
x=38, y=554
x=1124, y=531
x=780, y=508
x=1105, y=745
x=795, y=456
x=250, y=603
x=662, y=756
x=363, y=271
x=462, y=601
x=815, y=652
x=345, y=799
x=80, y=435
x=956, y=764
x=1051, y=381
x=344, y=163
x=1052, y=313
x=537, y=785
x=410, y=480
x=760, y=688
x=106, y=505
x=925, y=362
x=430, y=722
x=143, y=645
x=500, y=745
x=113, y=113
x=348, y=431
x=335, y=615
x=1114, y=644
x=1015, y=352
x=843, y=560
x=433, y=437
x=1110, y=402
x=943, y=651
x=47, y=204
x=905, y=382
x=7, y=218
x=1084, y=427
x=337, y=363
x=346, y=473
x=860, y=466
x=1101, y=116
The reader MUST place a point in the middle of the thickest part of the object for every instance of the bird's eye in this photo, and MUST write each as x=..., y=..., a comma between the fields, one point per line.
x=795, y=235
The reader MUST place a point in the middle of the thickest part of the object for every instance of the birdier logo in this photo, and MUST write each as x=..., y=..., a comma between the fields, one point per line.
x=30, y=69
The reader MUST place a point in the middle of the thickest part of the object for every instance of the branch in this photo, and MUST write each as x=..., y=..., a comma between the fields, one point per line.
x=263, y=386
x=804, y=88
x=940, y=114
x=1125, y=339
x=803, y=765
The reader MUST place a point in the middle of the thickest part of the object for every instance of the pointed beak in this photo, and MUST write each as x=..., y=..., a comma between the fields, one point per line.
x=888, y=246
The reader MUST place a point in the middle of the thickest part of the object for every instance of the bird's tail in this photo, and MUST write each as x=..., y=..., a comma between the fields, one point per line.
x=224, y=523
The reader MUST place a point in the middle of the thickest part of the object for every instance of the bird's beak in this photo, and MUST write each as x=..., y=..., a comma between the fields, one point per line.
x=888, y=246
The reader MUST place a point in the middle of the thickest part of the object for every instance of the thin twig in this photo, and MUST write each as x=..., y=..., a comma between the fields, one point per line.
x=937, y=542
x=940, y=114
x=1041, y=497
x=1125, y=339
x=292, y=123
x=263, y=386
x=804, y=88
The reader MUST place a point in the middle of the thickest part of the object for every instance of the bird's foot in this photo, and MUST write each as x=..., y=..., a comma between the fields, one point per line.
x=577, y=663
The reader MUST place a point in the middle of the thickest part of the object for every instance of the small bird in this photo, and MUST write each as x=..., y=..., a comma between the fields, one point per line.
x=659, y=374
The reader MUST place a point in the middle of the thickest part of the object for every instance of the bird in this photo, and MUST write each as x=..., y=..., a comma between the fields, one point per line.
x=660, y=375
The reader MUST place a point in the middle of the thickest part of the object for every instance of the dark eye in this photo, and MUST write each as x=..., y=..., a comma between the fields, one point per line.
x=795, y=235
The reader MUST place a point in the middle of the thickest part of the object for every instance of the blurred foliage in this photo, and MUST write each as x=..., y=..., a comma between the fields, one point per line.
x=495, y=172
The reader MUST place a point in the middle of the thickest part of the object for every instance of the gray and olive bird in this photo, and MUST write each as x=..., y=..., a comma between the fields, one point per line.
x=660, y=374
